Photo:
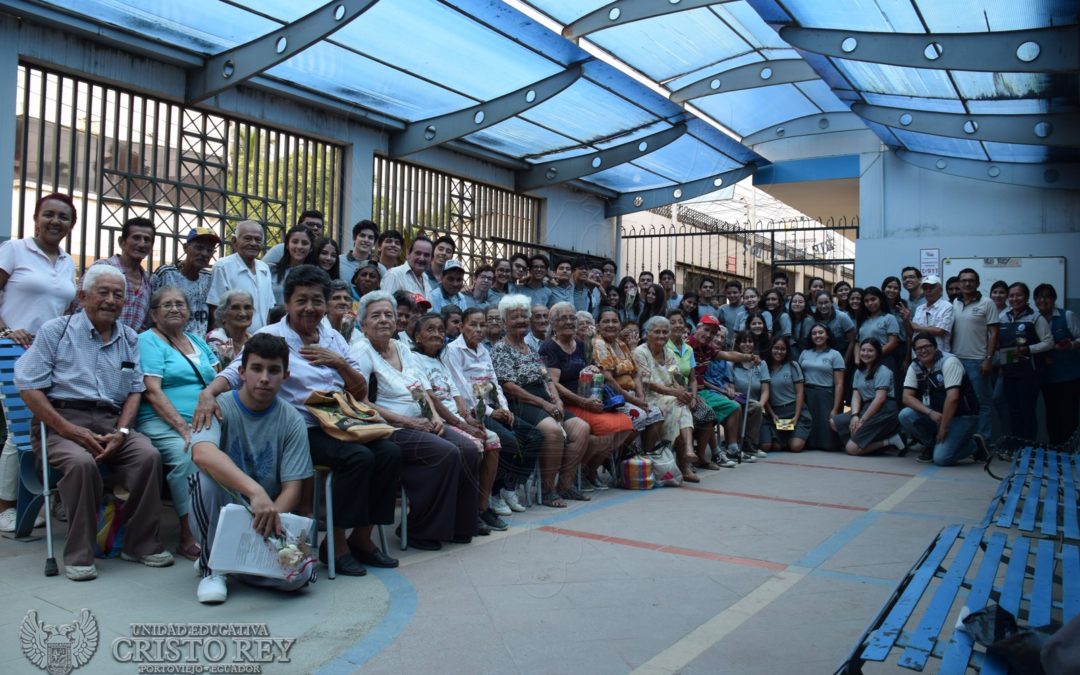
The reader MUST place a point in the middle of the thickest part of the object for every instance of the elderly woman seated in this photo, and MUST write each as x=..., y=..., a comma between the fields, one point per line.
x=566, y=360
x=233, y=318
x=533, y=397
x=658, y=371
x=176, y=367
x=365, y=474
x=615, y=358
x=439, y=463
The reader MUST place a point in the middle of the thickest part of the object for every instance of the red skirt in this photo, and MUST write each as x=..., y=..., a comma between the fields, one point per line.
x=603, y=423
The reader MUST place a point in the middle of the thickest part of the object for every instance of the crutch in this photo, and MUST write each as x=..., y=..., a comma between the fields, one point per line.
x=46, y=491
x=746, y=410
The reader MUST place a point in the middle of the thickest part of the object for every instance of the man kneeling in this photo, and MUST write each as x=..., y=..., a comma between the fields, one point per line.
x=257, y=452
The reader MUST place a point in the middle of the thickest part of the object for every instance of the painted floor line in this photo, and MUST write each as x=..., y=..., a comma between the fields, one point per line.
x=839, y=468
x=663, y=548
x=800, y=502
x=900, y=494
x=699, y=640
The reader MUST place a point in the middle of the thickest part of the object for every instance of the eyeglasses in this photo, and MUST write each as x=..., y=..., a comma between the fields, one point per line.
x=924, y=349
x=172, y=305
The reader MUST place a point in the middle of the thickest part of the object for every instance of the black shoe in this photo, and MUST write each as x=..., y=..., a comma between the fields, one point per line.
x=981, y=453
x=374, y=558
x=420, y=544
x=493, y=521
x=346, y=564
x=926, y=456
x=481, y=527
x=461, y=539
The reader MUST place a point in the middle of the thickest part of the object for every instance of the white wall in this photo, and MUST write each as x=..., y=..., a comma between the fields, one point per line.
x=575, y=220
x=903, y=208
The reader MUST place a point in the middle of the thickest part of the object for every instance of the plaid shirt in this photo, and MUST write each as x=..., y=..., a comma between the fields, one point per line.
x=136, y=300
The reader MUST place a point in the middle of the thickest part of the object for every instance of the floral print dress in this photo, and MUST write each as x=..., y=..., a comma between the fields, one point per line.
x=676, y=415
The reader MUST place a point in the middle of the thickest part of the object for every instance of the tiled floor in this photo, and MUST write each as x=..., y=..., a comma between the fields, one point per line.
x=773, y=567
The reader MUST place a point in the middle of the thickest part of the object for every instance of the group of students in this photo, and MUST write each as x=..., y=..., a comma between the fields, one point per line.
x=532, y=365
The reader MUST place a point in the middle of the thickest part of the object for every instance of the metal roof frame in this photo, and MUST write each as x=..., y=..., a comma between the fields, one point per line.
x=1055, y=176
x=631, y=202
x=750, y=76
x=1057, y=129
x=622, y=12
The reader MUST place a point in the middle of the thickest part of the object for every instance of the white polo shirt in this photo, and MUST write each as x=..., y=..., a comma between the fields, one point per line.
x=401, y=278
x=37, y=289
x=231, y=273
x=970, y=322
x=940, y=315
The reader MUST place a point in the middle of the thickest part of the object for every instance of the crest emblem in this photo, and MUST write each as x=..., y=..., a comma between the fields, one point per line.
x=58, y=650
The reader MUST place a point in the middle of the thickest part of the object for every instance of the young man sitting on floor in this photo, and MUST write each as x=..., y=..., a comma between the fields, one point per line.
x=257, y=452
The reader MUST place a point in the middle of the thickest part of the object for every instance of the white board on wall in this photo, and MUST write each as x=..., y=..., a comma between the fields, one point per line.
x=1030, y=269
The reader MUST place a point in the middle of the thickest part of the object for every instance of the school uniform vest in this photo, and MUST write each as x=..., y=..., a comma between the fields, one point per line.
x=1063, y=365
x=1012, y=334
x=930, y=386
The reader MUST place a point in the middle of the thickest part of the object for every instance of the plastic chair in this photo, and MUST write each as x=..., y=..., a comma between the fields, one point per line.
x=328, y=487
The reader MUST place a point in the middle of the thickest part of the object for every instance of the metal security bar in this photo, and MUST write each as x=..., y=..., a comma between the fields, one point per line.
x=697, y=246
x=486, y=222
x=120, y=155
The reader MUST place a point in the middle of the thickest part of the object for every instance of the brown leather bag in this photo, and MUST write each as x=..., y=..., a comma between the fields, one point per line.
x=342, y=417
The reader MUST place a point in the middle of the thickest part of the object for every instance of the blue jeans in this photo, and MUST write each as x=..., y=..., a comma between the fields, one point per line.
x=973, y=368
x=957, y=444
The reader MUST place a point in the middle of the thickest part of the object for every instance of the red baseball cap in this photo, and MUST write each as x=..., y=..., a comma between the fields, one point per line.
x=710, y=320
x=421, y=303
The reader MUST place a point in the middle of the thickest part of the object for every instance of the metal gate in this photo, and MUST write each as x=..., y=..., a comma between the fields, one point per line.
x=696, y=246
x=120, y=154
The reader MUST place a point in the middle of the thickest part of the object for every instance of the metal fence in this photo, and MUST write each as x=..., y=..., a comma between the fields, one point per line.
x=120, y=154
x=487, y=222
x=697, y=246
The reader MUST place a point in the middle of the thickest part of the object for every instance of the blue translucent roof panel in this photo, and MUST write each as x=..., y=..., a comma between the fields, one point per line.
x=949, y=105
x=519, y=138
x=749, y=24
x=884, y=133
x=627, y=178
x=823, y=97
x=686, y=159
x=451, y=60
x=749, y=110
x=1019, y=106
x=706, y=133
x=1002, y=85
x=713, y=69
x=885, y=79
x=1012, y=152
x=587, y=111
x=285, y=10
x=665, y=46
x=566, y=11
x=343, y=74
x=500, y=17
x=896, y=16
x=995, y=15
x=940, y=145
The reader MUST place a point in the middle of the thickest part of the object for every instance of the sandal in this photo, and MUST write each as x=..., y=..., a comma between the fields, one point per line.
x=554, y=500
x=711, y=466
x=691, y=477
x=191, y=552
x=574, y=494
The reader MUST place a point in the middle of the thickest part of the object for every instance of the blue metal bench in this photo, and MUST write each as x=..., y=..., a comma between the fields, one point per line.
x=1038, y=581
x=1038, y=496
x=30, y=496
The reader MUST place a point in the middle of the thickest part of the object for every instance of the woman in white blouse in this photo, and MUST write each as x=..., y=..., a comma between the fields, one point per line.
x=438, y=463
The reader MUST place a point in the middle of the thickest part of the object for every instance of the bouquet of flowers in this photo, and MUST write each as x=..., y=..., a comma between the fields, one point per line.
x=676, y=375
x=418, y=395
x=484, y=394
x=293, y=552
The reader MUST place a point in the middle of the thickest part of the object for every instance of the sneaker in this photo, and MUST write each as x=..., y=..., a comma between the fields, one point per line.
x=759, y=453
x=748, y=457
x=7, y=520
x=80, y=572
x=482, y=528
x=735, y=457
x=896, y=441
x=587, y=485
x=162, y=559
x=511, y=499
x=599, y=483
x=212, y=590
x=725, y=462
x=926, y=456
x=492, y=520
x=981, y=453
x=497, y=504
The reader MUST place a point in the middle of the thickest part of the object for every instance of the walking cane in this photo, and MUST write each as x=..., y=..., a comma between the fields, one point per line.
x=746, y=409
x=46, y=491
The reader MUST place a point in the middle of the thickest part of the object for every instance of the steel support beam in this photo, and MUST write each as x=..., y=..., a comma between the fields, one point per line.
x=631, y=202
x=1056, y=176
x=1040, y=50
x=750, y=76
x=433, y=131
x=823, y=123
x=231, y=67
x=626, y=11
x=1057, y=129
x=562, y=170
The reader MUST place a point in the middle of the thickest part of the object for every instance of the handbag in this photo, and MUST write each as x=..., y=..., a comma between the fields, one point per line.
x=344, y=418
x=636, y=473
x=665, y=469
x=612, y=399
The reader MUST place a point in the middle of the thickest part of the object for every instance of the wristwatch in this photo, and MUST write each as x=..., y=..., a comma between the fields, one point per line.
x=124, y=430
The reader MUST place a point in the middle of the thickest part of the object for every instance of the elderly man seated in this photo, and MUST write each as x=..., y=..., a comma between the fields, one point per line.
x=257, y=452
x=81, y=378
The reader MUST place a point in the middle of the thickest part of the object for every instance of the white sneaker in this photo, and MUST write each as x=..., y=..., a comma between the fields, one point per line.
x=213, y=589
x=498, y=505
x=7, y=520
x=759, y=453
x=80, y=572
x=510, y=497
x=161, y=559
